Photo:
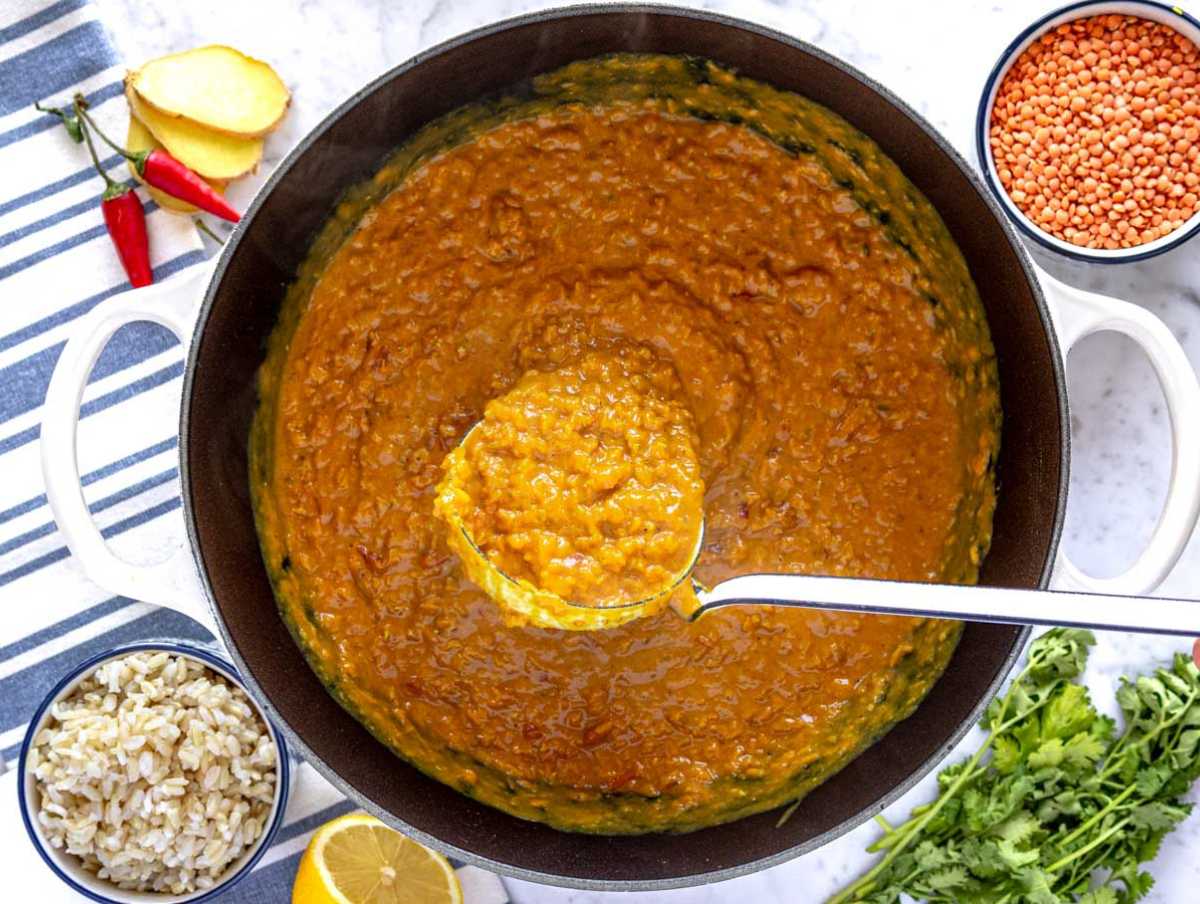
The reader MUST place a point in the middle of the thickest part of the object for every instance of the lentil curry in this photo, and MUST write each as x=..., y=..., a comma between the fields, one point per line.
x=826, y=338
x=581, y=483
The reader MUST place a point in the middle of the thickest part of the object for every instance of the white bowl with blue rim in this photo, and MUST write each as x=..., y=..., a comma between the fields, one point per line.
x=1171, y=16
x=67, y=866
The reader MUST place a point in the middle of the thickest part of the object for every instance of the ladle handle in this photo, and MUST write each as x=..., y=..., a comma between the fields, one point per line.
x=1001, y=605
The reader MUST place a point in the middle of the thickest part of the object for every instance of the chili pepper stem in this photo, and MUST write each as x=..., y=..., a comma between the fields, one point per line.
x=158, y=168
x=111, y=188
x=137, y=159
x=73, y=126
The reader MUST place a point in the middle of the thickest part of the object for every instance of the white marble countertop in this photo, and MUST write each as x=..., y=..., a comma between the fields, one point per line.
x=934, y=54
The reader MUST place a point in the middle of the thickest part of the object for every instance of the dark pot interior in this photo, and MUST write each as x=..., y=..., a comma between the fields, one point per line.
x=219, y=400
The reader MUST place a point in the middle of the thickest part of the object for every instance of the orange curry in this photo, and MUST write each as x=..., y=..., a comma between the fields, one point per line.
x=811, y=313
x=583, y=481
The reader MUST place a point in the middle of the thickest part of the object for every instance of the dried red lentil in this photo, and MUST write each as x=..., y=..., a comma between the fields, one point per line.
x=1096, y=131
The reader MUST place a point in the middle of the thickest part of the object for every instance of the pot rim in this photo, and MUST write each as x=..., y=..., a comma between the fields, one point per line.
x=325, y=769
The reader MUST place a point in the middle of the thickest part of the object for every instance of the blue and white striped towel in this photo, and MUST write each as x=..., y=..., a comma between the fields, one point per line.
x=56, y=264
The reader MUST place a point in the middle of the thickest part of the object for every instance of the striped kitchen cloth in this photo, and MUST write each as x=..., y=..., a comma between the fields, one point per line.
x=56, y=264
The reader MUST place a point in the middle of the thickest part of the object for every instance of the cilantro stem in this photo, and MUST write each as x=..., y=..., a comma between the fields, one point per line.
x=913, y=829
x=1087, y=866
x=1099, y=840
x=1115, y=761
x=1100, y=815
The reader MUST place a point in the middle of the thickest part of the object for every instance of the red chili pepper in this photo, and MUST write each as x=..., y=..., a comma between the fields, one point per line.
x=125, y=219
x=164, y=172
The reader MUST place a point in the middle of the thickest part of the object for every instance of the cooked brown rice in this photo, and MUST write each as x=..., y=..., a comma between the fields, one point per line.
x=155, y=772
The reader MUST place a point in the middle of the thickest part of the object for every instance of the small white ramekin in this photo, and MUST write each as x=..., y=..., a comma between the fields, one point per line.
x=1171, y=16
x=66, y=866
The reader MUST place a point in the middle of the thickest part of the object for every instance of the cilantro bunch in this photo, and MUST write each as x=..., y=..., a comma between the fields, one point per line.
x=1056, y=807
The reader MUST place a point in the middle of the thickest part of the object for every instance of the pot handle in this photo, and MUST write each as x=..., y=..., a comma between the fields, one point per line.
x=172, y=582
x=1078, y=314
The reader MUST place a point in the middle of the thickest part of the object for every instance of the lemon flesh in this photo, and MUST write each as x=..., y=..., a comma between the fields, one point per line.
x=356, y=859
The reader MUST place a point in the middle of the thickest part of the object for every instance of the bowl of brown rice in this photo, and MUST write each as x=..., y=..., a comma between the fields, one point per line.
x=149, y=774
x=1088, y=130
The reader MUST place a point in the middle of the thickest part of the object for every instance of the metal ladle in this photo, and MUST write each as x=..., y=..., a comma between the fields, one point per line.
x=525, y=603
x=999, y=605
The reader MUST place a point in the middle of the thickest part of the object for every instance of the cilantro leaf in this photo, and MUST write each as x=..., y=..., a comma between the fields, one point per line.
x=1036, y=884
x=1158, y=815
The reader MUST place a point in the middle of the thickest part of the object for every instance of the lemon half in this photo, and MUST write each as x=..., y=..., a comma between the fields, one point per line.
x=356, y=859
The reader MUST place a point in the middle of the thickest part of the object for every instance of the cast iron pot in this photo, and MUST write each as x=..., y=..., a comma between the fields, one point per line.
x=227, y=345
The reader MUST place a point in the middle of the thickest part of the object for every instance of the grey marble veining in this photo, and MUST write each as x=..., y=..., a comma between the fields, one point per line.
x=935, y=55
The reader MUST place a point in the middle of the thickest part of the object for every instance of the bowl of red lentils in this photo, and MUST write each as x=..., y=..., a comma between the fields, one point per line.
x=1088, y=130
